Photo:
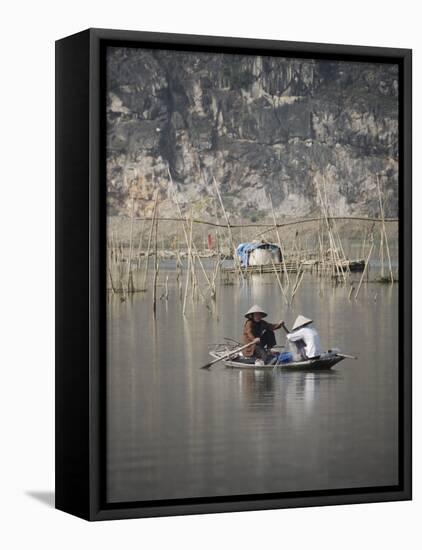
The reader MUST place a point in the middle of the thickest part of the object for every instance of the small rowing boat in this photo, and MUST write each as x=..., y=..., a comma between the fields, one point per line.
x=325, y=361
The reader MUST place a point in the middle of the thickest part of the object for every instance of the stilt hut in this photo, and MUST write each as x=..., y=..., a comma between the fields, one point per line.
x=258, y=253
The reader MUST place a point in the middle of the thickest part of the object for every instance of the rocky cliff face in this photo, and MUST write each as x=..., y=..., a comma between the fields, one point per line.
x=262, y=126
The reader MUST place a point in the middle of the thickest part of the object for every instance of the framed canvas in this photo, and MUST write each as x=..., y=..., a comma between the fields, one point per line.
x=233, y=274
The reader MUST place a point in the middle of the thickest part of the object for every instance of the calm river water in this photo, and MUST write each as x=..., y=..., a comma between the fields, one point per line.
x=175, y=430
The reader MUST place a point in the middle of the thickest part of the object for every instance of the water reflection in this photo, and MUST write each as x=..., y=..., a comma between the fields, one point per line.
x=175, y=430
x=261, y=389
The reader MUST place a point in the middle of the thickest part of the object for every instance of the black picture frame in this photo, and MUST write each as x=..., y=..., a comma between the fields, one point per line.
x=80, y=276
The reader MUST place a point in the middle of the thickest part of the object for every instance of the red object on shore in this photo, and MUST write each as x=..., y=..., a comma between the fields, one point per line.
x=210, y=241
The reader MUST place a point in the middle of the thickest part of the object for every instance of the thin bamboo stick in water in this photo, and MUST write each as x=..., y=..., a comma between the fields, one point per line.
x=235, y=258
x=154, y=288
x=188, y=271
x=279, y=243
x=365, y=269
x=296, y=288
x=384, y=229
x=279, y=282
x=129, y=261
x=144, y=282
x=141, y=238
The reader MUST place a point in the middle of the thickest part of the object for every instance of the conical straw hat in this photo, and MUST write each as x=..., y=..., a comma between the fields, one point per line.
x=255, y=309
x=301, y=321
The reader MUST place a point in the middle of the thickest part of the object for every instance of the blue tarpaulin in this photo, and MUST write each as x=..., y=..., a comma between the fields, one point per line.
x=244, y=249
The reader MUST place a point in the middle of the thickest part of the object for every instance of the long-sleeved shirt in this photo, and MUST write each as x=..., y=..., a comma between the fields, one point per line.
x=251, y=330
x=310, y=337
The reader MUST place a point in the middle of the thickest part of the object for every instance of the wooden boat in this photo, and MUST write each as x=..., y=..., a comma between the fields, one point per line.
x=329, y=265
x=324, y=362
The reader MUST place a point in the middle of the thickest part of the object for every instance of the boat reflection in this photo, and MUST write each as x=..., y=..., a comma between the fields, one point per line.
x=262, y=390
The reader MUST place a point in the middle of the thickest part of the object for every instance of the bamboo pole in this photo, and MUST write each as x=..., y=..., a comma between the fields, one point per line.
x=296, y=288
x=279, y=282
x=165, y=294
x=336, y=235
x=364, y=243
x=129, y=261
x=333, y=247
x=141, y=238
x=331, y=225
x=112, y=247
x=270, y=226
x=338, y=246
x=154, y=288
x=217, y=232
x=279, y=243
x=321, y=247
x=217, y=270
x=384, y=230
x=193, y=274
x=111, y=280
x=109, y=264
x=185, y=228
x=144, y=281
x=235, y=258
x=364, y=269
x=179, y=275
x=188, y=273
x=382, y=252
x=116, y=248
x=195, y=283
x=299, y=273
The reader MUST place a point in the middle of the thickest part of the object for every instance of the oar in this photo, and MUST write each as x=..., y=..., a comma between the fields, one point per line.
x=230, y=353
x=286, y=330
x=346, y=356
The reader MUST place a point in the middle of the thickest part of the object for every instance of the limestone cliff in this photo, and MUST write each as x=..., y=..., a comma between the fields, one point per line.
x=262, y=126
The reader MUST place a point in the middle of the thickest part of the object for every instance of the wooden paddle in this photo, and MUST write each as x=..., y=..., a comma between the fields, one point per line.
x=286, y=330
x=346, y=356
x=230, y=353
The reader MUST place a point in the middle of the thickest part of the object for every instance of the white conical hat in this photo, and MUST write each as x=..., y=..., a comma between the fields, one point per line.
x=255, y=309
x=301, y=321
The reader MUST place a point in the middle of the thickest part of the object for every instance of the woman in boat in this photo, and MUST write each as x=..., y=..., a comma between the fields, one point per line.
x=256, y=327
x=306, y=338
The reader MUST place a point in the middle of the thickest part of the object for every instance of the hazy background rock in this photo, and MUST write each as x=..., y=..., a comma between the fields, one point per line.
x=262, y=126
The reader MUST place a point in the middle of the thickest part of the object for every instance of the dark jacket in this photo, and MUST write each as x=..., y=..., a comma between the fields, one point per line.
x=252, y=330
